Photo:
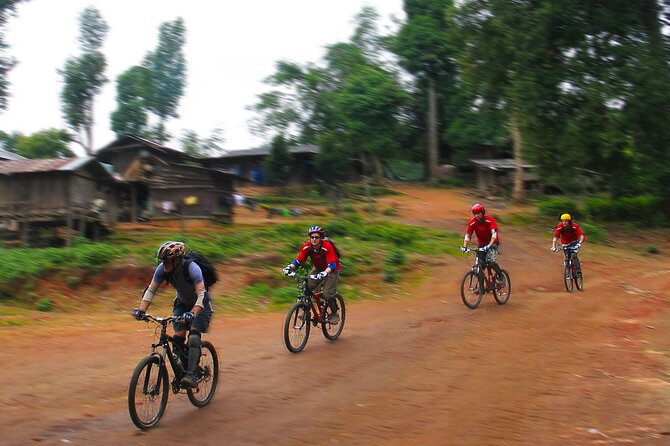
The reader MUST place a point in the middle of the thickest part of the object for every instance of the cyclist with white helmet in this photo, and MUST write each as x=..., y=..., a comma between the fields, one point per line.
x=486, y=229
x=325, y=264
x=192, y=300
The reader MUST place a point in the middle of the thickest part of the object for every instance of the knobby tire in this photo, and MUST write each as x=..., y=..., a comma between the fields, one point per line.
x=472, y=289
x=207, y=375
x=332, y=332
x=502, y=292
x=296, y=327
x=148, y=392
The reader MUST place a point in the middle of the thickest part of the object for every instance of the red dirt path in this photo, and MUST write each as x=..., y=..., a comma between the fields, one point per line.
x=417, y=368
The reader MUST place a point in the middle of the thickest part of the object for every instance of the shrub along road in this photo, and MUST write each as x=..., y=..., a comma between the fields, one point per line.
x=549, y=368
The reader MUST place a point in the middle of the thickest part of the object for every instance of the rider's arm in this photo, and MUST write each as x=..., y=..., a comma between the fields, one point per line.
x=195, y=273
x=200, y=302
x=553, y=242
x=148, y=295
x=150, y=291
x=494, y=237
x=466, y=240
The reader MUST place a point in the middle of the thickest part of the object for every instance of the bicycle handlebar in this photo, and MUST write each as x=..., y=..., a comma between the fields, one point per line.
x=301, y=277
x=482, y=249
x=162, y=320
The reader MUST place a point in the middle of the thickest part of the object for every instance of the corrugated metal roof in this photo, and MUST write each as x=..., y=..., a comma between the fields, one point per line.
x=263, y=151
x=500, y=164
x=5, y=155
x=39, y=165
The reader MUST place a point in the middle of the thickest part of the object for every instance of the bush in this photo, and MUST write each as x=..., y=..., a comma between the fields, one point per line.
x=390, y=274
x=554, y=207
x=638, y=208
x=594, y=232
x=653, y=250
x=45, y=304
x=396, y=257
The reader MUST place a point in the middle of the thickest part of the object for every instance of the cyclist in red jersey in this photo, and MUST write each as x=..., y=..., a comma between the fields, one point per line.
x=569, y=232
x=571, y=236
x=325, y=264
x=486, y=229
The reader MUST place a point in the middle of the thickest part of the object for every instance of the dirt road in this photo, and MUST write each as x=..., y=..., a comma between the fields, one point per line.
x=417, y=368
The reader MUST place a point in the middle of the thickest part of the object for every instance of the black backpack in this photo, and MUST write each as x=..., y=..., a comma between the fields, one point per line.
x=338, y=253
x=209, y=274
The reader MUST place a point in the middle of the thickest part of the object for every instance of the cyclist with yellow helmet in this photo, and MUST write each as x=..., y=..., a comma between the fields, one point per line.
x=568, y=231
x=571, y=236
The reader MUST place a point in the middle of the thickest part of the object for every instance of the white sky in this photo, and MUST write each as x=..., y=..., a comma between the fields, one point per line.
x=231, y=46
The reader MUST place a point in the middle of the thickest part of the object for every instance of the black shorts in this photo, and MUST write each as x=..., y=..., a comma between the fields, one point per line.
x=201, y=322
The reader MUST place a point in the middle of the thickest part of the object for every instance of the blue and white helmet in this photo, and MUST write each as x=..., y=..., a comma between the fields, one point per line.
x=316, y=229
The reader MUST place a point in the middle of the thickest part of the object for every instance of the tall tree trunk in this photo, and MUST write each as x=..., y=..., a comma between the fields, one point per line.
x=518, y=193
x=433, y=147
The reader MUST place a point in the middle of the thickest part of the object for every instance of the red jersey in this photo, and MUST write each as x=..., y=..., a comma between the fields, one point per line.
x=568, y=234
x=321, y=258
x=483, y=229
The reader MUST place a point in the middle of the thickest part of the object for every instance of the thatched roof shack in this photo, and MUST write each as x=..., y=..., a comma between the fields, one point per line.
x=165, y=183
x=74, y=193
x=249, y=163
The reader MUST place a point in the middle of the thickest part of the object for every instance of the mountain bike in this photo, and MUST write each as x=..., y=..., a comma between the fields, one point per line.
x=480, y=279
x=572, y=270
x=149, y=384
x=310, y=309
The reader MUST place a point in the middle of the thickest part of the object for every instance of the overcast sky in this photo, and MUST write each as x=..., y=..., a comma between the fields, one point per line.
x=231, y=47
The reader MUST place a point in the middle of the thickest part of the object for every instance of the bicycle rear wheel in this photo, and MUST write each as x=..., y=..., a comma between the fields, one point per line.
x=207, y=375
x=502, y=287
x=333, y=331
x=148, y=392
x=472, y=289
x=579, y=278
x=296, y=327
x=567, y=277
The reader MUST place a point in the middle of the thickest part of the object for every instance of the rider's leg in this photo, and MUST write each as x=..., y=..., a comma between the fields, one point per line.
x=575, y=261
x=313, y=284
x=329, y=293
x=199, y=325
x=491, y=257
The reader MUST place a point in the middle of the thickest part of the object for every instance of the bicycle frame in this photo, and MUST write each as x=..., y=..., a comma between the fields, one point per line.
x=164, y=344
x=484, y=269
x=314, y=300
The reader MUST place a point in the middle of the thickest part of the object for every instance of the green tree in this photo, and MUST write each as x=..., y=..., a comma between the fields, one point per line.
x=278, y=163
x=424, y=51
x=132, y=90
x=507, y=52
x=351, y=104
x=83, y=78
x=7, y=10
x=167, y=73
x=193, y=145
x=51, y=143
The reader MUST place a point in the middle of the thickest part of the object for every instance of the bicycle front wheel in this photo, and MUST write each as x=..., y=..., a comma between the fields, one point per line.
x=333, y=331
x=472, y=289
x=296, y=327
x=502, y=287
x=567, y=277
x=148, y=392
x=207, y=375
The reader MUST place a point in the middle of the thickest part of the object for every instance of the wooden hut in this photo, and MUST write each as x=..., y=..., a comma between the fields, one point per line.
x=496, y=176
x=166, y=183
x=249, y=163
x=74, y=194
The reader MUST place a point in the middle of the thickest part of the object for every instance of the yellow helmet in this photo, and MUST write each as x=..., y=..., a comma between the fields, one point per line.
x=566, y=217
